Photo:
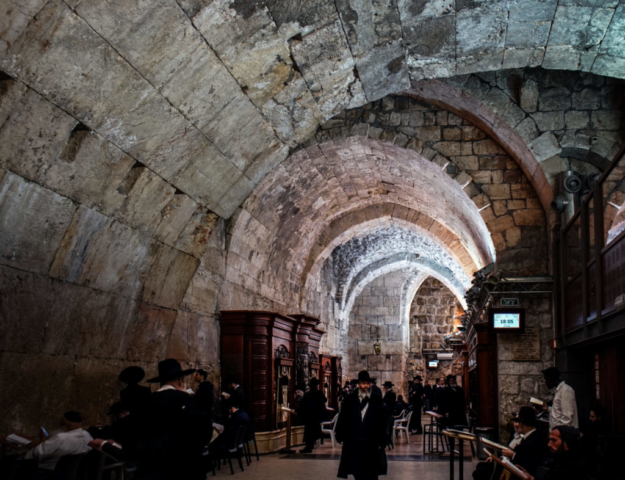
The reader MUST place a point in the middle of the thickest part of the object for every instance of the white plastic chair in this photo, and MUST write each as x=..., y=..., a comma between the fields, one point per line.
x=396, y=419
x=402, y=425
x=330, y=427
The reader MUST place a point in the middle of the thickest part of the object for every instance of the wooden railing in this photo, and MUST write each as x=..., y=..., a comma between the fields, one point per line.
x=592, y=269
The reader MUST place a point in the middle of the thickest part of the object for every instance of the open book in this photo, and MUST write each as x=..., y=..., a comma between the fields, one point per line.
x=536, y=401
x=490, y=443
x=508, y=465
x=18, y=440
x=461, y=434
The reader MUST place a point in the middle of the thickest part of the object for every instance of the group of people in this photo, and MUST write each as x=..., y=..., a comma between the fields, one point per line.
x=567, y=453
x=167, y=434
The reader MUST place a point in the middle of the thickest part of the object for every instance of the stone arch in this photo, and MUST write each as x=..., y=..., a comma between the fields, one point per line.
x=400, y=262
x=467, y=106
x=382, y=216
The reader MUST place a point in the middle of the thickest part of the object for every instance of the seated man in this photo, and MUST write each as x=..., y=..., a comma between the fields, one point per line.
x=484, y=470
x=227, y=438
x=73, y=440
x=530, y=452
x=566, y=462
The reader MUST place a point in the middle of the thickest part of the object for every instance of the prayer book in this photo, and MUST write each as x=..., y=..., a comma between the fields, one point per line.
x=17, y=439
x=536, y=401
x=514, y=469
x=490, y=443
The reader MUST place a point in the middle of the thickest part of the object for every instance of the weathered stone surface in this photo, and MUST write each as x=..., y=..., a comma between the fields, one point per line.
x=545, y=146
x=103, y=254
x=33, y=221
x=33, y=136
x=146, y=339
x=529, y=96
x=147, y=195
x=174, y=218
x=169, y=277
x=327, y=66
x=14, y=20
x=549, y=121
x=374, y=34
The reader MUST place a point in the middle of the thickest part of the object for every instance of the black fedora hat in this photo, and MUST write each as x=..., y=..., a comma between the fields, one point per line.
x=526, y=416
x=364, y=376
x=388, y=384
x=132, y=375
x=169, y=370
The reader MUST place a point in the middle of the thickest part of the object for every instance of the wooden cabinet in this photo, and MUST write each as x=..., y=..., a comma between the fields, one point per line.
x=482, y=373
x=271, y=355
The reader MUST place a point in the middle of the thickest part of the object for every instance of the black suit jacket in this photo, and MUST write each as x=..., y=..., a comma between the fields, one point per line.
x=363, y=439
x=389, y=400
x=530, y=453
x=237, y=420
x=441, y=400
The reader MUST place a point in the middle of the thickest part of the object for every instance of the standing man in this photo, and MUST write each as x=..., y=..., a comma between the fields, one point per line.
x=417, y=405
x=427, y=396
x=390, y=397
x=456, y=403
x=564, y=409
x=361, y=429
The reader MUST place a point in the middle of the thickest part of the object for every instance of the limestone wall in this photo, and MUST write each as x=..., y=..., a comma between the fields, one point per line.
x=376, y=316
x=432, y=316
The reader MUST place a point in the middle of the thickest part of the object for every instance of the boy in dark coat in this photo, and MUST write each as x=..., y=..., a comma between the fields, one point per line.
x=310, y=413
x=361, y=428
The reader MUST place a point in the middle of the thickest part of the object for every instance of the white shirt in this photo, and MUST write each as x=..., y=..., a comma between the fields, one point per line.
x=361, y=397
x=564, y=409
x=49, y=452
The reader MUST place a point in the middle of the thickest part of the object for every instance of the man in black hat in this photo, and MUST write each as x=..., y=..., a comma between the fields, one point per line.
x=456, y=403
x=166, y=424
x=417, y=404
x=564, y=408
x=390, y=397
x=531, y=451
x=361, y=428
x=134, y=395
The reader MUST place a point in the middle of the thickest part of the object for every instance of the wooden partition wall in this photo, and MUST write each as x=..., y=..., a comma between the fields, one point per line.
x=271, y=355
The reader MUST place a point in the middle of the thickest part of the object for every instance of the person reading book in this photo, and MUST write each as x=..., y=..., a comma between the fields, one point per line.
x=528, y=456
x=566, y=460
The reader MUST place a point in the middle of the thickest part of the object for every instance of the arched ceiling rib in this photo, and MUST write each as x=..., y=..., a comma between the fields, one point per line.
x=384, y=216
x=355, y=256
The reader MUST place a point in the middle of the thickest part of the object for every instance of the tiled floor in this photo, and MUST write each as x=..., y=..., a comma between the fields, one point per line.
x=405, y=462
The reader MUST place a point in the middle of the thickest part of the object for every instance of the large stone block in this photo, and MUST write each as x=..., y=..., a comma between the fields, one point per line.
x=89, y=169
x=33, y=136
x=33, y=221
x=148, y=336
x=327, y=65
x=374, y=34
x=169, y=277
x=103, y=254
x=25, y=409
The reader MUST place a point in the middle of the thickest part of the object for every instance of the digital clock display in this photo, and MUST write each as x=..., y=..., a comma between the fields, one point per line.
x=506, y=320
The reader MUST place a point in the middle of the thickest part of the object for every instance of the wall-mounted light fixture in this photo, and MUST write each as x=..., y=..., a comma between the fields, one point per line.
x=377, y=348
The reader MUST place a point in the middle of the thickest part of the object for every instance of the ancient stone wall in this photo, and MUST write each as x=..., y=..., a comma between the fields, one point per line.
x=432, y=316
x=520, y=375
x=376, y=317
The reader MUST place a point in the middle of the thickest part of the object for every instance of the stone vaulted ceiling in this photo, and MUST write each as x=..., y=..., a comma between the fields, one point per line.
x=176, y=84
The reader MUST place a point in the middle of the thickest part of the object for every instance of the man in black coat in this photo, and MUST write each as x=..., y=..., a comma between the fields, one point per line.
x=427, y=396
x=532, y=450
x=417, y=405
x=456, y=403
x=390, y=397
x=310, y=413
x=567, y=460
x=361, y=429
x=164, y=449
